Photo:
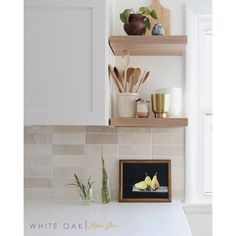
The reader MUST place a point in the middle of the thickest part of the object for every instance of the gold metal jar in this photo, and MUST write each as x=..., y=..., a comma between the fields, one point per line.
x=160, y=104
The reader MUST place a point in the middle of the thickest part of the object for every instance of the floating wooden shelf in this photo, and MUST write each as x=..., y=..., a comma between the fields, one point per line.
x=149, y=122
x=149, y=45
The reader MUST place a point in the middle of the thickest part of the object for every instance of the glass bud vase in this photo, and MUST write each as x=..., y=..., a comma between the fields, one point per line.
x=106, y=195
x=87, y=198
x=106, y=192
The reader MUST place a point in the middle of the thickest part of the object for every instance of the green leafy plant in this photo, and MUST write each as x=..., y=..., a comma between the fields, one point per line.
x=85, y=190
x=145, y=11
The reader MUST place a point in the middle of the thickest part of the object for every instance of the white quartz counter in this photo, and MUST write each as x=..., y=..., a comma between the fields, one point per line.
x=115, y=219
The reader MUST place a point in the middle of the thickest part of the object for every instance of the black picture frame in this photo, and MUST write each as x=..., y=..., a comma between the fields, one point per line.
x=134, y=171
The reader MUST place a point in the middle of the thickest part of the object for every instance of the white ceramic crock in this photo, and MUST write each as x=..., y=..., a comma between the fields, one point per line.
x=126, y=104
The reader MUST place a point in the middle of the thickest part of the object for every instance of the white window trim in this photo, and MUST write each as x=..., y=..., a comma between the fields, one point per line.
x=198, y=18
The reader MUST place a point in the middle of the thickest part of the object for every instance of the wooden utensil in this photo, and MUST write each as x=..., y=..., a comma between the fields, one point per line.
x=140, y=81
x=135, y=78
x=116, y=80
x=137, y=74
x=118, y=75
x=144, y=78
x=130, y=71
x=130, y=82
x=125, y=59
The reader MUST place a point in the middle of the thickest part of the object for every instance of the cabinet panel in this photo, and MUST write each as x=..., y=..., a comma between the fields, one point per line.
x=65, y=63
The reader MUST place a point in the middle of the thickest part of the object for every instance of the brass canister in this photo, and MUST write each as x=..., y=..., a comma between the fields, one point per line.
x=160, y=104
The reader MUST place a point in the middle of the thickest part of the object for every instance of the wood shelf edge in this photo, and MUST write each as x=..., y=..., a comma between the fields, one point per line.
x=172, y=45
x=148, y=122
x=149, y=38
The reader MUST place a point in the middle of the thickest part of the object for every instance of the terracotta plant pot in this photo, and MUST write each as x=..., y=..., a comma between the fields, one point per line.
x=136, y=26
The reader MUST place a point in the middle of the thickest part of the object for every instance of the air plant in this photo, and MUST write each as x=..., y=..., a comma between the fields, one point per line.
x=85, y=190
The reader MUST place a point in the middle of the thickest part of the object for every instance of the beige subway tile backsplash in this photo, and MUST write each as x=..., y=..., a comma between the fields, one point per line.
x=61, y=182
x=37, y=160
x=167, y=150
x=69, y=138
x=68, y=129
x=169, y=139
x=161, y=150
x=134, y=130
x=134, y=138
x=95, y=149
x=70, y=193
x=38, y=193
x=38, y=138
x=38, y=171
x=38, y=129
x=176, y=161
x=54, y=153
x=173, y=130
x=100, y=138
x=158, y=138
x=68, y=160
x=38, y=149
x=37, y=183
x=67, y=172
x=100, y=129
x=70, y=149
x=135, y=150
x=177, y=150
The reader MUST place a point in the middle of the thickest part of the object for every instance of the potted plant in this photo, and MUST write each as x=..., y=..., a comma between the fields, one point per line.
x=137, y=22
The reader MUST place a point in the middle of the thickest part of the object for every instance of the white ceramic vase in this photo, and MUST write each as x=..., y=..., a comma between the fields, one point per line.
x=126, y=104
x=175, y=108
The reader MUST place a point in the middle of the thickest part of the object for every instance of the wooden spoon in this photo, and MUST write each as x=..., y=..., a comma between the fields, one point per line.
x=118, y=75
x=146, y=77
x=113, y=75
x=143, y=79
x=134, y=78
x=126, y=61
x=130, y=71
x=137, y=75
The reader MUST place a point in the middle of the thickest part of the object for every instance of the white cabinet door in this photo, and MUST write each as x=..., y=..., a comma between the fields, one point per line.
x=66, y=62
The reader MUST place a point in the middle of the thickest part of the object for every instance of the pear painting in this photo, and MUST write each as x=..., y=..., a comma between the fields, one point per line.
x=148, y=184
x=145, y=181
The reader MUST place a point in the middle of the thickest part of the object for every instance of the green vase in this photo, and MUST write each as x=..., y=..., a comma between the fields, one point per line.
x=105, y=183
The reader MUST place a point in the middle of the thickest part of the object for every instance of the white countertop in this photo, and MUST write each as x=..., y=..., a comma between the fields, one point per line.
x=114, y=219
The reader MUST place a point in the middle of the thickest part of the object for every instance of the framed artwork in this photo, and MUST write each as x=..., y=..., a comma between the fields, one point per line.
x=145, y=181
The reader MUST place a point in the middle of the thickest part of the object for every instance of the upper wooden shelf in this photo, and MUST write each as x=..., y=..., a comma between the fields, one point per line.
x=149, y=45
x=149, y=122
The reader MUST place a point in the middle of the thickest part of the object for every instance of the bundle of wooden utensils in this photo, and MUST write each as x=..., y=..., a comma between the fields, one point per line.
x=130, y=79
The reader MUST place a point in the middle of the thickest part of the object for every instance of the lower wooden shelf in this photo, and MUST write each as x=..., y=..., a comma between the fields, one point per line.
x=149, y=122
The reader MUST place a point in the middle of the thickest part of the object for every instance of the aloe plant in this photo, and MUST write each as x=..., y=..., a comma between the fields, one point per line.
x=145, y=11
